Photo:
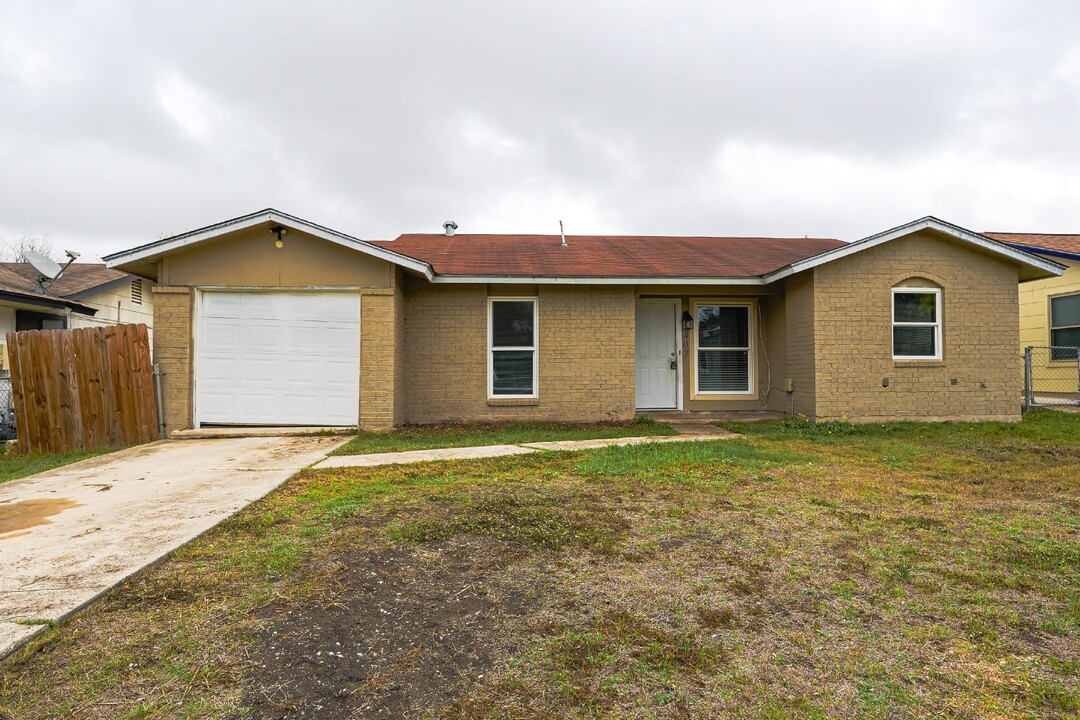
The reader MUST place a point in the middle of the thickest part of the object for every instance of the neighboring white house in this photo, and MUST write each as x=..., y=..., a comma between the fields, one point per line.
x=85, y=295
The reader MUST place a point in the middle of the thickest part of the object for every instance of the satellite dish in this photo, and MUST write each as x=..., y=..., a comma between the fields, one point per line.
x=49, y=268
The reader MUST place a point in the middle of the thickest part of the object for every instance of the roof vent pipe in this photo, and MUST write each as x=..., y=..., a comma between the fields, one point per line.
x=449, y=226
x=562, y=235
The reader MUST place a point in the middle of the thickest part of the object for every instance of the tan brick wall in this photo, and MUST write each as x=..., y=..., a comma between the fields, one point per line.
x=977, y=377
x=378, y=359
x=799, y=293
x=399, y=349
x=586, y=354
x=172, y=351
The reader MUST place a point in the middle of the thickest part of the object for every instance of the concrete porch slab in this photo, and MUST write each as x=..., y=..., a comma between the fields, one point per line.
x=677, y=417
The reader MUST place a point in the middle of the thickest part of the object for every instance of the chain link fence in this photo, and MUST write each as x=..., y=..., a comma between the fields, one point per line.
x=1051, y=376
x=7, y=408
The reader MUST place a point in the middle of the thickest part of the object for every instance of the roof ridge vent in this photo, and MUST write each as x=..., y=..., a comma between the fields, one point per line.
x=449, y=226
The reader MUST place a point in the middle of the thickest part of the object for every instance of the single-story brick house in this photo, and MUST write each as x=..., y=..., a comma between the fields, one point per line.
x=271, y=319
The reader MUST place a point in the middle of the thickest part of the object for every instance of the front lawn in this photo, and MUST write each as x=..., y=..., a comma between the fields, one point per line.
x=896, y=571
x=16, y=465
x=424, y=437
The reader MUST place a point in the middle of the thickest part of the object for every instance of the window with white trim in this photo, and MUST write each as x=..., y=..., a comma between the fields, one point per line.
x=1065, y=327
x=512, y=341
x=916, y=323
x=724, y=335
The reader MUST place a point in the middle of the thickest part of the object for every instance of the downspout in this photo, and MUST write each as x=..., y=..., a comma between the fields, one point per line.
x=157, y=396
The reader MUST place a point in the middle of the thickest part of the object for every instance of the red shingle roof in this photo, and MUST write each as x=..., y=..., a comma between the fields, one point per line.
x=1063, y=243
x=606, y=255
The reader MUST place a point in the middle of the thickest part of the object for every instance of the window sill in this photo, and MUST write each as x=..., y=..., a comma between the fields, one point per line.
x=512, y=402
x=705, y=397
x=901, y=363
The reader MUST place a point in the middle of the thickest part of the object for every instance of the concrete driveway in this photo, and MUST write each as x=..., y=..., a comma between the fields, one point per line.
x=70, y=534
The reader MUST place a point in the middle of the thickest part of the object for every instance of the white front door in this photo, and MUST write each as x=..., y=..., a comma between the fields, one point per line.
x=278, y=358
x=657, y=351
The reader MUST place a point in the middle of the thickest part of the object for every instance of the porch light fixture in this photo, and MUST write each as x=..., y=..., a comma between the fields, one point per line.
x=278, y=230
x=687, y=321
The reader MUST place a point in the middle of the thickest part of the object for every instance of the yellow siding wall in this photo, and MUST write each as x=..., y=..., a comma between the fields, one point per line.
x=1035, y=326
x=977, y=377
x=250, y=258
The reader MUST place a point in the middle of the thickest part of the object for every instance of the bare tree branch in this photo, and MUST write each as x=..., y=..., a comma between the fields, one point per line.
x=14, y=250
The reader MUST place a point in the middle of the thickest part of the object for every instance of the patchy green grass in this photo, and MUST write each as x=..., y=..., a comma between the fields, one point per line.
x=16, y=465
x=424, y=437
x=905, y=570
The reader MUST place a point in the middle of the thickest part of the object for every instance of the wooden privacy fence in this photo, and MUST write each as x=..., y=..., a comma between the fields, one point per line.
x=82, y=389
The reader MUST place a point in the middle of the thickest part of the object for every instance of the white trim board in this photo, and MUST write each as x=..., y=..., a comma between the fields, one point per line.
x=254, y=219
x=926, y=223
x=939, y=352
x=150, y=250
x=491, y=349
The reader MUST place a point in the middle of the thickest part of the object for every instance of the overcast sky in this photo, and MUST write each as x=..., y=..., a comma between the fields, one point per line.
x=124, y=122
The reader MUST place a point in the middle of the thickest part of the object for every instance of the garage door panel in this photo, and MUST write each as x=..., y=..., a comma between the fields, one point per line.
x=318, y=338
x=223, y=305
x=258, y=372
x=260, y=405
x=216, y=404
x=219, y=370
x=337, y=335
x=262, y=336
x=278, y=358
x=344, y=314
x=222, y=335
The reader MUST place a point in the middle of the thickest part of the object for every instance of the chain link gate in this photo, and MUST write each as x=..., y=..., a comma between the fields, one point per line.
x=7, y=409
x=1051, y=376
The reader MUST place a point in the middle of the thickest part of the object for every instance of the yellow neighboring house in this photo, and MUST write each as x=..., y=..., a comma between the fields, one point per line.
x=1050, y=310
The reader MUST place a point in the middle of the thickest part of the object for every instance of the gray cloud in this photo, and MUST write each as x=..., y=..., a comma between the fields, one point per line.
x=126, y=121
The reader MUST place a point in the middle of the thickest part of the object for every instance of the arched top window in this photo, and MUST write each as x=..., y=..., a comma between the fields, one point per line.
x=916, y=320
x=917, y=282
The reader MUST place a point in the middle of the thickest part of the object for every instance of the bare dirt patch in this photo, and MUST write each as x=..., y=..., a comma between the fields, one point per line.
x=401, y=631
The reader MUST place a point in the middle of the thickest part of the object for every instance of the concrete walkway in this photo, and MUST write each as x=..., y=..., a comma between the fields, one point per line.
x=70, y=534
x=490, y=451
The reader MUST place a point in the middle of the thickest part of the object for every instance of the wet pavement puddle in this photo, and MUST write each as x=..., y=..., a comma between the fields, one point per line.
x=31, y=513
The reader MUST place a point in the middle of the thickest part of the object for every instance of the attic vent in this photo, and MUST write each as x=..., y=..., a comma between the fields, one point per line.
x=136, y=291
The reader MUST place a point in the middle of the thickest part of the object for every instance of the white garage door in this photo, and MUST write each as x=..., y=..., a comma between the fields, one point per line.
x=278, y=358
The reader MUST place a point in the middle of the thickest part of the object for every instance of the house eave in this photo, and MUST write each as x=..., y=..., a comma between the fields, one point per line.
x=47, y=302
x=591, y=280
x=1036, y=250
x=1042, y=266
x=177, y=242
